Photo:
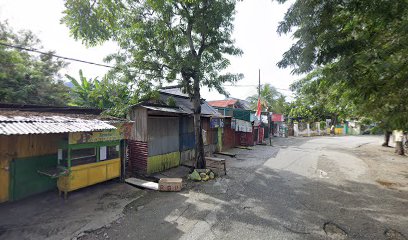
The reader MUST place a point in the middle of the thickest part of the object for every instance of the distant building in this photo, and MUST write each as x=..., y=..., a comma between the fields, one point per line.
x=231, y=103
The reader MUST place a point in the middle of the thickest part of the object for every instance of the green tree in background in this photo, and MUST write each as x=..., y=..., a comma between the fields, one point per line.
x=163, y=41
x=271, y=100
x=26, y=78
x=358, y=49
x=113, y=96
x=320, y=99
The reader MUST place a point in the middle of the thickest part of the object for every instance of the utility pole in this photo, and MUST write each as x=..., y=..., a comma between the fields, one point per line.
x=259, y=84
x=259, y=97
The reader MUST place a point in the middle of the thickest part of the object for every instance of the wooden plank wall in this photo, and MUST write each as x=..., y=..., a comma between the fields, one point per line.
x=139, y=131
x=20, y=146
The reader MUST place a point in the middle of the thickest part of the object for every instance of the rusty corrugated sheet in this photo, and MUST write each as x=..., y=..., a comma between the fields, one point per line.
x=41, y=125
x=228, y=140
x=244, y=138
x=138, y=153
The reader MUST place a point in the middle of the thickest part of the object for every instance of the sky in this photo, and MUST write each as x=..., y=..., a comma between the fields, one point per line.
x=255, y=33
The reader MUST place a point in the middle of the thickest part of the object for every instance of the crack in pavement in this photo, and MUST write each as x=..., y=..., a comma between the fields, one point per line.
x=181, y=214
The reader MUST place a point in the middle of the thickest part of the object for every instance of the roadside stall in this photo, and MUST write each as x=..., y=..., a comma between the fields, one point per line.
x=43, y=148
x=87, y=158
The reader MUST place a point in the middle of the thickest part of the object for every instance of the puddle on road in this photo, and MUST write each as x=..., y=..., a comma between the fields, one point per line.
x=334, y=231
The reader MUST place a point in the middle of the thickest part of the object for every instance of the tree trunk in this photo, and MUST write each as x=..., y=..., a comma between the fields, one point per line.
x=199, y=145
x=387, y=135
x=399, y=149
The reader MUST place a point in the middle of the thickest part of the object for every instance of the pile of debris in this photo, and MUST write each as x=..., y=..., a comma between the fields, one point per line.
x=201, y=175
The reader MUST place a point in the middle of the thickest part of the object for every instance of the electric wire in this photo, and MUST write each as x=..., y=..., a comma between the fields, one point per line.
x=103, y=65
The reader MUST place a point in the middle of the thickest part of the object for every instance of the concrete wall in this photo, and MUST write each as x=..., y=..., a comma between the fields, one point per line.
x=307, y=129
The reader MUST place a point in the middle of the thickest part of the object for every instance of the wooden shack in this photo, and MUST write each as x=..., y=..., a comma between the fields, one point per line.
x=163, y=134
x=41, y=145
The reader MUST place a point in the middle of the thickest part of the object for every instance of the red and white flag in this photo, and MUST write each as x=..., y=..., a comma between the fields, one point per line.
x=258, y=109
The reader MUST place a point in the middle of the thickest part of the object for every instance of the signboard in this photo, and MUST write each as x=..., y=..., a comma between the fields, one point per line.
x=216, y=122
x=91, y=137
x=277, y=117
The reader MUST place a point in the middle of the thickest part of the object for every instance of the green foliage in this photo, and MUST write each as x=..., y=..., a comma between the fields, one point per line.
x=161, y=40
x=376, y=130
x=114, y=96
x=271, y=100
x=357, y=52
x=25, y=78
x=171, y=102
x=318, y=99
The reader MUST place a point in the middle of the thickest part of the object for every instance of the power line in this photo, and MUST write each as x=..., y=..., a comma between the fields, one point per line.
x=100, y=64
x=57, y=56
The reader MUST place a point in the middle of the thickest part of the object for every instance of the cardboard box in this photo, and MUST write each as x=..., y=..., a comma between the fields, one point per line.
x=170, y=184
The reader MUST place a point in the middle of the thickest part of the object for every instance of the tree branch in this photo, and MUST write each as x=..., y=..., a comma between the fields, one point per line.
x=190, y=39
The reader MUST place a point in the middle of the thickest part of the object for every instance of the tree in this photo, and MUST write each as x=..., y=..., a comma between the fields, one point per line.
x=163, y=41
x=358, y=46
x=318, y=99
x=82, y=90
x=113, y=96
x=271, y=99
x=25, y=78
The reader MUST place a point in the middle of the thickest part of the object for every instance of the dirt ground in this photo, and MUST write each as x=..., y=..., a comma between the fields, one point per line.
x=388, y=169
x=47, y=216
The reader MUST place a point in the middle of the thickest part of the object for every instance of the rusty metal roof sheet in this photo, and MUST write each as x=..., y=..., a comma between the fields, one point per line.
x=18, y=125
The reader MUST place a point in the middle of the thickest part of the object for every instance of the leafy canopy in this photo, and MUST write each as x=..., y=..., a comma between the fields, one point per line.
x=271, y=100
x=161, y=40
x=356, y=50
x=114, y=96
x=26, y=78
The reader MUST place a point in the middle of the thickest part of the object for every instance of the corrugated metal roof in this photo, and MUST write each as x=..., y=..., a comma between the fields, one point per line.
x=187, y=106
x=18, y=125
x=174, y=91
x=226, y=103
x=223, y=103
x=164, y=109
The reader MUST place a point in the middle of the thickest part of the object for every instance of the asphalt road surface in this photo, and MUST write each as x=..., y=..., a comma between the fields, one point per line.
x=301, y=188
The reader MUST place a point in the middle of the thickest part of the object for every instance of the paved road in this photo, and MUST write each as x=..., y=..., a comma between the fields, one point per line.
x=302, y=188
